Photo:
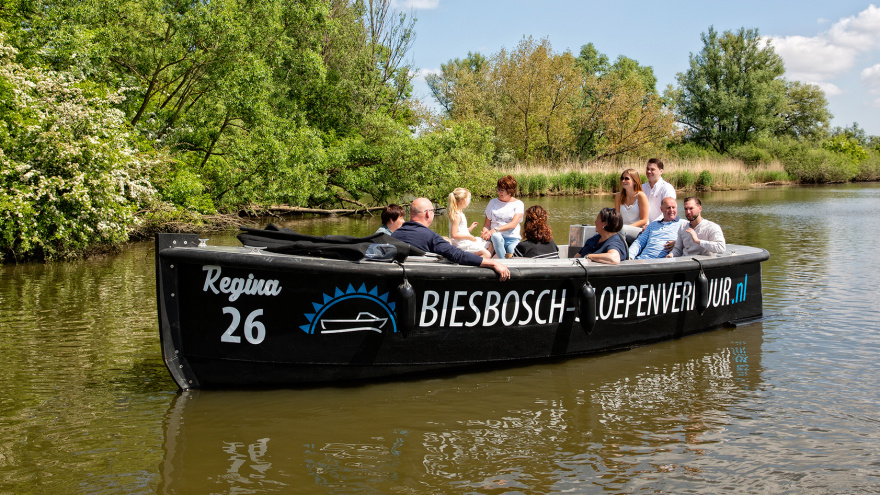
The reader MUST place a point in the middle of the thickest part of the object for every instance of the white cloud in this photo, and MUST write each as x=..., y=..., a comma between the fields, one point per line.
x=423, y=73
x=830, y=89
x=813, y=58
x=831, y=54
x=871, y=78
x=416, y=4
x=860, y=32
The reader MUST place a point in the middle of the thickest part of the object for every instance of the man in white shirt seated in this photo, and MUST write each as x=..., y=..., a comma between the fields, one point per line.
x=698, y=236
x=656, y=189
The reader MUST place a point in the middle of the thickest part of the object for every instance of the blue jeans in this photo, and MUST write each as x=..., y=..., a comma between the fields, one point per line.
x=503, y=245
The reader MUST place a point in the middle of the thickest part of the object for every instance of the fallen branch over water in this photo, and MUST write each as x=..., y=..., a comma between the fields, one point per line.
x=186, y=222
x=298, y=210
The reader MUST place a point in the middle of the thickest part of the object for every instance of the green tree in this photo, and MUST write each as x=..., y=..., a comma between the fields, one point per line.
x=591, y=61
x=619, y=116
x=72, y=175
x=551, y=106
x=733, y=91
x=461, y=84
x=258, y=102
x=853, y=132
x=535, y=87
x=594, y=63
x=805, y=113
x=619, y=111
x=847, y=146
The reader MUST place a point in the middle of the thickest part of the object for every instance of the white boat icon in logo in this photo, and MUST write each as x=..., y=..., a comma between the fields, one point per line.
x=363, y=322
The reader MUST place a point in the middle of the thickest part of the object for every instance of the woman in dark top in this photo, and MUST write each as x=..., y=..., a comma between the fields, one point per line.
x=606, y=246
x=538, y=241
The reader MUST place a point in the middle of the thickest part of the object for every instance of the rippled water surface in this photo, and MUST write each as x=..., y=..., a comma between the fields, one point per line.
x=788, y=405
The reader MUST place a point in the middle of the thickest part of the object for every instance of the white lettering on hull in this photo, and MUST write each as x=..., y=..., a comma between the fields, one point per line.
x=491, y=307
x=653, y=299
x=237, y=286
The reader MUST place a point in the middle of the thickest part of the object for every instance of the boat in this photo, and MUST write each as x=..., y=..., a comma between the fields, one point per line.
x=363, y=322
x=285, y=309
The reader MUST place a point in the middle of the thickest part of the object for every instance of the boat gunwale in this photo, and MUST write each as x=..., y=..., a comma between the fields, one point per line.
x=528, y=268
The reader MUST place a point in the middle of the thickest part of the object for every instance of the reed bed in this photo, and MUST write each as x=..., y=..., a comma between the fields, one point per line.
x=604, y=177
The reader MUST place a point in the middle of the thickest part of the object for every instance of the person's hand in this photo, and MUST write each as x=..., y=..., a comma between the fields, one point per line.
x=472, y=226
x=669, y=245
x=502, y=270
x=487, y=234
x=693, y=235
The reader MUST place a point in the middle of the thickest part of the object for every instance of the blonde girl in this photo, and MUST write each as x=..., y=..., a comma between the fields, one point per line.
x=459, y=232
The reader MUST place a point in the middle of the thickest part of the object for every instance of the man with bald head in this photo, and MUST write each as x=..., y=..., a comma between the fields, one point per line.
x=652, y=242
x=416, y=233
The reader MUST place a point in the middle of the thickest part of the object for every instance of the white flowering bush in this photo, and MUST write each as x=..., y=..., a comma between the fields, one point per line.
x=71, y=175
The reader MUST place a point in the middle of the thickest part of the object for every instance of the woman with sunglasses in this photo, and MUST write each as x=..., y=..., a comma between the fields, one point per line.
x=632, y=204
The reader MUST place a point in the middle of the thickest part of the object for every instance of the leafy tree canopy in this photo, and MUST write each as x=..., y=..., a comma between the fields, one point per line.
x=553, y=106
x=733, y=91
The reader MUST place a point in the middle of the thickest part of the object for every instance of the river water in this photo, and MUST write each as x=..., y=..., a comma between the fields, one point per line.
x=787, y=405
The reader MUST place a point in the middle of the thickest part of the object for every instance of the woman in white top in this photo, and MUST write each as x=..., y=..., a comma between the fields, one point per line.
x=503, y=216
x=459, y=232
x=632, y=204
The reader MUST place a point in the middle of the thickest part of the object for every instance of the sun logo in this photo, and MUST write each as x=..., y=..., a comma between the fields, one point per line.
x=355, y=310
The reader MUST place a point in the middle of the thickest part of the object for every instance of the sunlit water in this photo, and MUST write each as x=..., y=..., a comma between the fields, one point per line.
x=789, y=405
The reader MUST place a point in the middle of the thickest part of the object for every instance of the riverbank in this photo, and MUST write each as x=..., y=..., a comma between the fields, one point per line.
x=690, y=175
x=536, y=180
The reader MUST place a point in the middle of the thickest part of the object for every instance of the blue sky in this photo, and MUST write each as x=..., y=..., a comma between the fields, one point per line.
x=833, y=44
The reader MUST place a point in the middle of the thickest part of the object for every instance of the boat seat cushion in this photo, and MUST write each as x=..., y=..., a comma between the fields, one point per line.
x=342, y=247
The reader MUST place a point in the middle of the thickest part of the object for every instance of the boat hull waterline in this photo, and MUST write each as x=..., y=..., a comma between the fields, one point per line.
x=236, y=317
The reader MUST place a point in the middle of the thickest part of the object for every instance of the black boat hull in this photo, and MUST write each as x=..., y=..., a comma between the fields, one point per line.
x=230, y=317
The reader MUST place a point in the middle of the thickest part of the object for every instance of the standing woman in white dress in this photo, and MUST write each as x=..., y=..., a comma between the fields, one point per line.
x=632, y=204
x=459, y=232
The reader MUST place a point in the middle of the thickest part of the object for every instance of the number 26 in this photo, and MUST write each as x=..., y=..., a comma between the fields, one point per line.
x=254, y=331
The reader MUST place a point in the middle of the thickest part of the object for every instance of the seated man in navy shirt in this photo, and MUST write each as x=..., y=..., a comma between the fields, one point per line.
x=416, y=233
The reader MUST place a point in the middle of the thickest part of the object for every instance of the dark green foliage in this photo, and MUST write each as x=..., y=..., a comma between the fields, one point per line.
x=869, y=168
x=846, y=145
x=611, y=182
x=681, y=179
x=769, y=176
x=818, y=165
x=704, y=180
x=751, y=154
x=690, y=151
x=732, y=92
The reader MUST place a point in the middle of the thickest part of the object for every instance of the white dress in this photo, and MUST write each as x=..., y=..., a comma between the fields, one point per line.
x=630, y=214
x=465, y=244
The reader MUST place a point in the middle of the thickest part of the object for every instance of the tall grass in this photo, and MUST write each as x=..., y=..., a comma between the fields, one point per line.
x=698, y=174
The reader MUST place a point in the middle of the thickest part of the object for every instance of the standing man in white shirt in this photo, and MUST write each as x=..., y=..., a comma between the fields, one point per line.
x=656, y=189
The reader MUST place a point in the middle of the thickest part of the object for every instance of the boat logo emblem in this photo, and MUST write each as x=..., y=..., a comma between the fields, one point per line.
x=352, y=310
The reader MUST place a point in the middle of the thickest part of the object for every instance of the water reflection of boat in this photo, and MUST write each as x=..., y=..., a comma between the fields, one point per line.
x=363, y=322
x=237, y=317
x=557, y=419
